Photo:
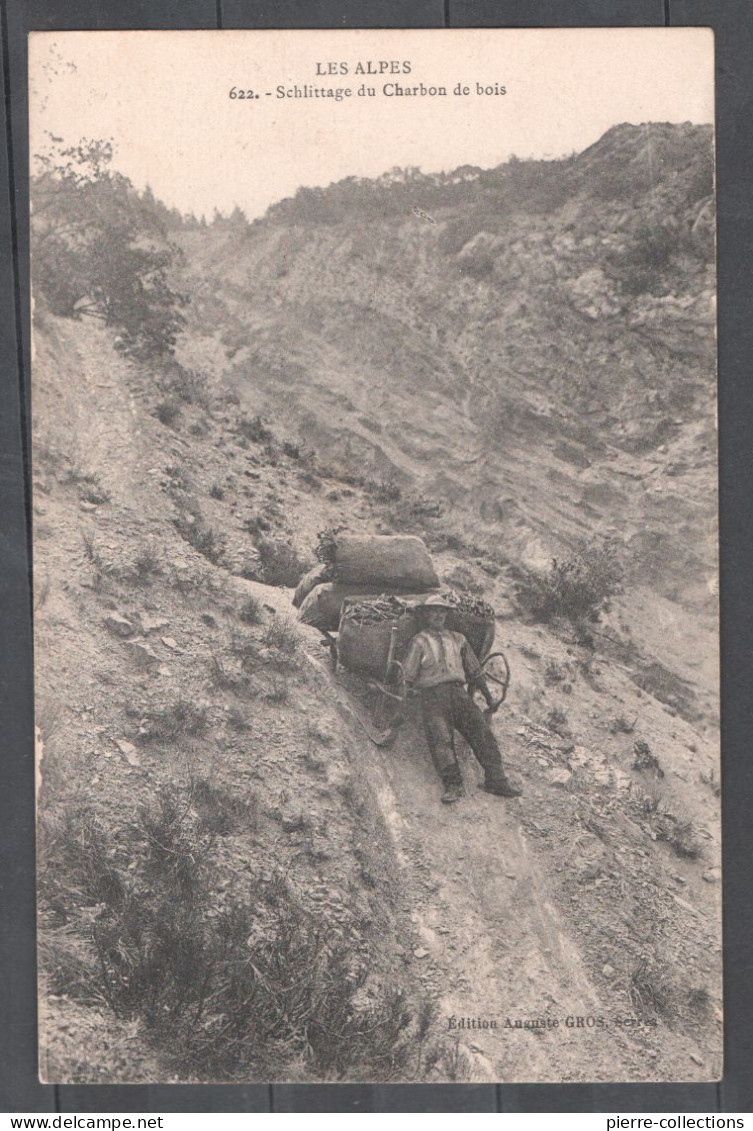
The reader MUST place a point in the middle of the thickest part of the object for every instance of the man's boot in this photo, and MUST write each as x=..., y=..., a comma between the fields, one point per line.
x=453, y=791
x=501, y=787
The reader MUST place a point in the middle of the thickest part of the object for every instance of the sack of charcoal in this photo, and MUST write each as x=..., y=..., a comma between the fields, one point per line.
x=388, y=561
x=367, y=627
x=316, y=576
x=474, y=618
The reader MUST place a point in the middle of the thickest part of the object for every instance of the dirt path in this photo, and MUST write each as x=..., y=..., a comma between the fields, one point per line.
x=108, y=440
x=492, y=946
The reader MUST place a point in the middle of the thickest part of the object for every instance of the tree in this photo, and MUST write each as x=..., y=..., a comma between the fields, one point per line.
x=102, y=251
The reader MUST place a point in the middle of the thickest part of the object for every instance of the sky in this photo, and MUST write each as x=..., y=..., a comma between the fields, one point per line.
x=163, y=97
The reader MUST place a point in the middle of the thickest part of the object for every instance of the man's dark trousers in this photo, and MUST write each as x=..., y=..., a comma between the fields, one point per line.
x=447, y=708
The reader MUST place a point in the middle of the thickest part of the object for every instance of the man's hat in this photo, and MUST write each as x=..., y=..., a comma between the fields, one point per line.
x=435, y=601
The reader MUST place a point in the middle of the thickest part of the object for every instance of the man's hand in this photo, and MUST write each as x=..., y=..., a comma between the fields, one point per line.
x=492, y=706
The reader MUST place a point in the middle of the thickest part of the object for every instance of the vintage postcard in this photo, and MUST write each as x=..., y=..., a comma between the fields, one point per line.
x=375, y=553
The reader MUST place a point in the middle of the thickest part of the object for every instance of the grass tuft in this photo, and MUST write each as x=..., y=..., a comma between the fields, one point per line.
x=251, y=611
x=181, y=719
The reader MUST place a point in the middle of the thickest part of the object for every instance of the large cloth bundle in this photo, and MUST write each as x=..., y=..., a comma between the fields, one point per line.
x=320, y=573
x=366, y=634
x=388, y=561
x=475, y=619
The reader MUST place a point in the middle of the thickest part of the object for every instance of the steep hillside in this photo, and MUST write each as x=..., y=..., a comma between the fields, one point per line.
x=594, y=896
x=533, y=345
x=235, y=884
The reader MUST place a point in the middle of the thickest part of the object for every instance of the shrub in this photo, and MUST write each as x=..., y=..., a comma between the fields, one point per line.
x=640, y=267
x=280, y=563
x=255, y=430
x=251, y=611
x=96, y=495
x=72, y=472
x=79, y=859
x=278, y=690
x=652, y=991
x=556, y=720
x=187, y=385
x=201, y=537
x=221, y=678
x=385, y=491
x=699, y=1000
x=168, y=412
x=645, y=759
x=236, y=720
x=146, y=565
x=256, y=525
x=181, y=719
x=292, y=450
x=667, y=687
x=578, y=589
x=282, y=636
x=553, y=673
x=678, y=831
x=227, y=987
x=670, y=824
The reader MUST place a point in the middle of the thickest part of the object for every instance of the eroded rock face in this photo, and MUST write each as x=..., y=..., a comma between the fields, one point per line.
x=549, y=339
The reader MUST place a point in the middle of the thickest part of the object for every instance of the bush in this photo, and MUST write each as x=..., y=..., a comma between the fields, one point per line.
x=237, y=720
x=187, y=385
x=645, y=759
x=280, y=563
x=282, y=636
x=168, y=412
x=278, y=690
x=578, y=589
x=678, y=831
x=201, y=537
x=146, y=566
x=255, y=430
x=556, y=721
x=226, y=987
x=652, y=991
x=292, y=450
x=181, y=719
x=251, y=611
x=101, y=250
x=642, y=266
x=554, y=673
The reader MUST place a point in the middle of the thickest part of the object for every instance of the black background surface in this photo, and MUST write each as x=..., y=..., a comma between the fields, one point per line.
x=20, y=1090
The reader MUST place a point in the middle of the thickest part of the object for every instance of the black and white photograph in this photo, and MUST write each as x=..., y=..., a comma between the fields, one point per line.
x=375, y=556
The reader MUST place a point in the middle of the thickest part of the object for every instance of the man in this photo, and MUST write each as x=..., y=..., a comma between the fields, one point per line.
x=438, y=665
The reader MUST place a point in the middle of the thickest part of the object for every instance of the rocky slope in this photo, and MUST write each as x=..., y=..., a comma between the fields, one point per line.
x=486, y=373
x=533, y=344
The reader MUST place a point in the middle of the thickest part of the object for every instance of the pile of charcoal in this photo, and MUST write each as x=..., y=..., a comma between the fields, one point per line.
x=375, y=610
x=468, y=603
